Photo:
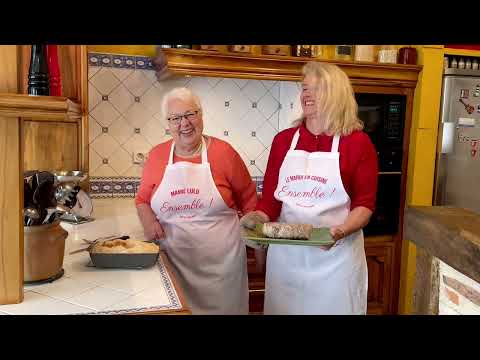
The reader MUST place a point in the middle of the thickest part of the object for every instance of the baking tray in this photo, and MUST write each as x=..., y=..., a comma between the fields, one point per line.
x=123, y=261
x=320, y=236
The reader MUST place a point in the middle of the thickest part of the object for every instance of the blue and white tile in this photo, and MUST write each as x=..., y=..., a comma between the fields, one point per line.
x=265, y=133
x=105, y=113
x=252, y=120
x=137, y=143
x=94, y=130
x=95, y=161
x=275, y=91
x=94, y=97
x=137, y=115
x=137, y=83
x=254, y=171
x=150, y=75
x=253, y=148
x=105, y=60
x=92, y=70
x=121, y=98
x=121, y=130
x=134, y=171
x=268, y=105
x=199, y=85
x=254, y=90
x=262, y=160
x=104, y=81
x=94, y=60
x=269, y=84
x=213, y=81
x=241, y=83
x=152, y=99
x=120, y=160
x=154, y=132
x=105, y=145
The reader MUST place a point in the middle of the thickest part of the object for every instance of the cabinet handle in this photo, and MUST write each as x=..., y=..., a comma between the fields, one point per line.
x=256, y=290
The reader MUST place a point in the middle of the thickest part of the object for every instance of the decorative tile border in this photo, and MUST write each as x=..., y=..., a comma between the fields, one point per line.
x=127, y=187
x=114, y=187
x=120, y=61
x=174, y=301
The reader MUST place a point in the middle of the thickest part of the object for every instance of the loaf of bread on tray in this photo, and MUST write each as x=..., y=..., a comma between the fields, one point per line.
x=125, y=247
x=287, y=231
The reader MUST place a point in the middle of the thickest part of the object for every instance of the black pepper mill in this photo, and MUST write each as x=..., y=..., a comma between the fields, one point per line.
x=38, y=82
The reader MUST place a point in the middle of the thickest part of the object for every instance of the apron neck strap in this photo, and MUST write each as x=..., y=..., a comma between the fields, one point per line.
x=204, y=152
x=293, y=145
x=335, y=142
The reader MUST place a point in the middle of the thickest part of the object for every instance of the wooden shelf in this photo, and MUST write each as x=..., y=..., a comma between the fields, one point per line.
x=46, y=108
x=187, y=62
x=462, y=52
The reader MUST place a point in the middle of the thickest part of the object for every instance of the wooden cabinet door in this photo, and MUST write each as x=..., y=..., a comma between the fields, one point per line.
x=51, y=146
x=379, y=263
x=256, y=284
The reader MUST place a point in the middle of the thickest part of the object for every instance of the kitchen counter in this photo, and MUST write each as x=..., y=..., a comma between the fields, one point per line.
x=89, y=290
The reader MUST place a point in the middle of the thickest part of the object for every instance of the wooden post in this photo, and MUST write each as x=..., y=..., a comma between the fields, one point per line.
x=11, y=187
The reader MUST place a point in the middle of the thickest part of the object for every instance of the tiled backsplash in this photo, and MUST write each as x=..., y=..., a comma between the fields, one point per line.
x=125, y=117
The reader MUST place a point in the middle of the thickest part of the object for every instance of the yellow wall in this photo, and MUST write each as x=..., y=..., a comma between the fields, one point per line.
x=422, y=153
x=146, y=50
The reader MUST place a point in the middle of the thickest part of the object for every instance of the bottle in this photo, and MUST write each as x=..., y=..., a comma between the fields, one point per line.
x=387, y=54
x=344, y=52
x=317, y=51
x=468, y=64
x=445, y=62
x=454, y=64
x=303, y=50
x=54, y=70
x=461, y=64
x=475, y=64
x=364, y=53
x=38, y=83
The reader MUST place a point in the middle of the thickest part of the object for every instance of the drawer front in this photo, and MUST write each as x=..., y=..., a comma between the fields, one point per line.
x=284, y=50
x=241, y=48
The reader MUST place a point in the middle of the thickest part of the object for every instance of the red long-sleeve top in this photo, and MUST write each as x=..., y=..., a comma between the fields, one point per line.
x=358, y=166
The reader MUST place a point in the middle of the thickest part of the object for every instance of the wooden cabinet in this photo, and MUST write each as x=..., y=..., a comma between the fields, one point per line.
x=256, y=284
x=58, y=144
x=51, y=145
x=379, y=263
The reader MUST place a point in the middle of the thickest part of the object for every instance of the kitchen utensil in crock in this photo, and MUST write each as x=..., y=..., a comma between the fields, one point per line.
x=44, y=249
x=31, y=214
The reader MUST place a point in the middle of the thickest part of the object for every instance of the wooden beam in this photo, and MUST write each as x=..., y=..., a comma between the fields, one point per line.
x=11, y=205
x=448, y=233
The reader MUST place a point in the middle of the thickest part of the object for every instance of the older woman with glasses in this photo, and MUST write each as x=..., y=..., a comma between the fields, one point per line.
x=191, y=191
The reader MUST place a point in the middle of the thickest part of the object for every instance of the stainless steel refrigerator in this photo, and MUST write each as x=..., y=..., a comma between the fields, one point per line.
x=457, y=180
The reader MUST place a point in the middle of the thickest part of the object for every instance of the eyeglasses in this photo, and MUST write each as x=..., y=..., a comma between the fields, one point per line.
x=177, y=119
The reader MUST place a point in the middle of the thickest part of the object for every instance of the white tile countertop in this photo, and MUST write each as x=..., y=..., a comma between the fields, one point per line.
x=89, y=290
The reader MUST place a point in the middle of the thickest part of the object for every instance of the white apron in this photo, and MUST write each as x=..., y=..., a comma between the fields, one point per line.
x=308, y=279
x=203, y=240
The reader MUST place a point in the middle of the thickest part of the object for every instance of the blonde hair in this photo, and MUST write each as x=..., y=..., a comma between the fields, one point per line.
x=181, y=93
x=335, y=99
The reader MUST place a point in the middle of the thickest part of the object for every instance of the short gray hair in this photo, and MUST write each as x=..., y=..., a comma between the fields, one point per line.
x=181, y=93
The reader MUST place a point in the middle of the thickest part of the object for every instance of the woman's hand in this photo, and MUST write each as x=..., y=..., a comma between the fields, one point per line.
x=337, y=234
x=253, y=218
x=153, y=231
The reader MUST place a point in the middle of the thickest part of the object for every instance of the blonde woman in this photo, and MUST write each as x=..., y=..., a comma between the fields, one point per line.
x=322, y=171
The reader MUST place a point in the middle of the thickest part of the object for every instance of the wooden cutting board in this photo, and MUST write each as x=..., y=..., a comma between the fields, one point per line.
x=320, y=236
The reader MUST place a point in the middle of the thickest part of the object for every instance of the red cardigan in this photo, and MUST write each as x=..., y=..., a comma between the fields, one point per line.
x=358, y=166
